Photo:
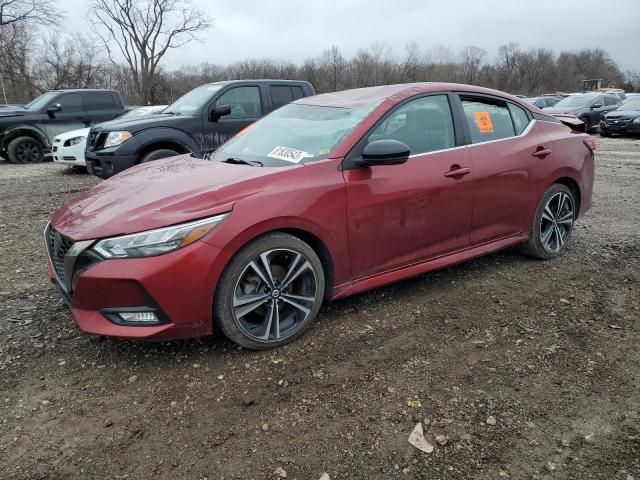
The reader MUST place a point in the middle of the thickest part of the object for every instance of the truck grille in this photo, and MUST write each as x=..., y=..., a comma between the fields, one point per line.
x=57, y=245
x=96, y=139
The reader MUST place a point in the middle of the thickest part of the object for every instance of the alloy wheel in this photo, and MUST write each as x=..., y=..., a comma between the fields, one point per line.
x=275, y=295
x=556, y=223
x=28, y=152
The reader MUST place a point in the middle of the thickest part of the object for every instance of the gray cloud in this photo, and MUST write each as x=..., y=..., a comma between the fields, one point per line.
x=295, y=30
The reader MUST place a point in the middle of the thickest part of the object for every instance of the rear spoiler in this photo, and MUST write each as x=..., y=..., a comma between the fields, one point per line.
x=571, y=121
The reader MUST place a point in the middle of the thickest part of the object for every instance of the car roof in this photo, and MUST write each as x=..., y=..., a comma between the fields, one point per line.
x=258, y=80
x=359, y=97
x=80, y=90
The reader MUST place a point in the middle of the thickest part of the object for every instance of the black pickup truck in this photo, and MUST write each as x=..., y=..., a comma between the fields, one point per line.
x=199, y=121
x=26, y=131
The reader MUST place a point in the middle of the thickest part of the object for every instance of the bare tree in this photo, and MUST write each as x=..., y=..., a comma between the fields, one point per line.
x=472, y=58
x=143, y=31
x=43, y=12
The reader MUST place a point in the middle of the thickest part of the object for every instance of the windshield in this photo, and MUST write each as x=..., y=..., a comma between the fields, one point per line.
x=295, y=133
x=575, y=101
x=42, y=101
x=630, y=105
x=192, y=102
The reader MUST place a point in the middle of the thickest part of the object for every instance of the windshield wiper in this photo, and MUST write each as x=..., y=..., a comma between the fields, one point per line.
x=242, y=161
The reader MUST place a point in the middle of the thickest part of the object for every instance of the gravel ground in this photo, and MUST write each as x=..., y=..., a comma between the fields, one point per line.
x=522, y=369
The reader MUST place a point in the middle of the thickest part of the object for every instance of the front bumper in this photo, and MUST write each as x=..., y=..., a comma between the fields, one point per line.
x=73, y=156
x=105, y=164
x=180, y=286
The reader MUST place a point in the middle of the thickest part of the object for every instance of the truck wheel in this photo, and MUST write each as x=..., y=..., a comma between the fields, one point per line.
x=25, y=150
x=158, y=154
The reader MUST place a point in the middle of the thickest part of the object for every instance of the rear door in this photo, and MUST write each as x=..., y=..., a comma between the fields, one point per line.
x=511, y=159
x=247, y=106
x=402, y=214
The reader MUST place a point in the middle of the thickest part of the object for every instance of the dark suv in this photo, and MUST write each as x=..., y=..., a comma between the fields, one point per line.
x=199, y=121
x=588, y=107
x=26, y=132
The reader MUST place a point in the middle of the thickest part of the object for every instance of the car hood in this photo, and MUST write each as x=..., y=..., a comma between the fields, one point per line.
x=563, y=109
x=158, y=194
x=135, y=125
x=13, y=111
x=623, y=113
x=81, y=132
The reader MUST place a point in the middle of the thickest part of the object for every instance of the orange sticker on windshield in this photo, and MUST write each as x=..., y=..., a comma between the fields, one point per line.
x=483, y=121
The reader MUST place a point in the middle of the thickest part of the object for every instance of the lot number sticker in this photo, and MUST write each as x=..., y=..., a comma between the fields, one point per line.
x=483, y=121
x=288, y=154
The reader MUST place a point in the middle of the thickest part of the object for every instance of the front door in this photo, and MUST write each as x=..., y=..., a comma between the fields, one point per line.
x=403, y=214
x=246, y=107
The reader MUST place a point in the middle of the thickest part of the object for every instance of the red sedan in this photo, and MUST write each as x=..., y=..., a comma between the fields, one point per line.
x=326, y=197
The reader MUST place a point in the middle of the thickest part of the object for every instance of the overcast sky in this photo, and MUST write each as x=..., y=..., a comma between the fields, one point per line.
x=298, y=29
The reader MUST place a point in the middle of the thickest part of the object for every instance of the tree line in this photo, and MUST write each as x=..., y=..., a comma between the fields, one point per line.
x=133, y=36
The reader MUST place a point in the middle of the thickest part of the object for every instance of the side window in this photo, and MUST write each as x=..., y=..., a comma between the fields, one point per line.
x=99, y=101
x=244, y=102
x=280, y=95
x=598, y=101
x=424, y=124
x=610, y=101
x=70, y=102
x=487, y=120
x=519, y=117
x=297, y=92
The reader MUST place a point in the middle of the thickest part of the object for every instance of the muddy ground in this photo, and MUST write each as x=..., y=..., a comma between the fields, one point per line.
x=550, y=350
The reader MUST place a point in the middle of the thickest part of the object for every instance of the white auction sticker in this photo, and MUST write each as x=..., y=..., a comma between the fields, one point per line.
x=288, y=154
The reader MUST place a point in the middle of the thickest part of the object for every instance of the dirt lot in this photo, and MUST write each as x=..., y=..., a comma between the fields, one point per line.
x=549, y=350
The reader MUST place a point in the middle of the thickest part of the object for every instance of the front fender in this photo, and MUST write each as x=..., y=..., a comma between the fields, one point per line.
x=15, y=131
x=165, y=135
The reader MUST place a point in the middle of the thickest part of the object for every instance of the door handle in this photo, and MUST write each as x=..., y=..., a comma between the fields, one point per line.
x=541, y=152
x=458, y=172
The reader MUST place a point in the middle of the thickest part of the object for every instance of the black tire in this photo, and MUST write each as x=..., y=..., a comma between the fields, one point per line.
x=604, y=134
x=587, y=124
x=25, y=150
x=539, y=244
x=255, y=328
x=158, y=154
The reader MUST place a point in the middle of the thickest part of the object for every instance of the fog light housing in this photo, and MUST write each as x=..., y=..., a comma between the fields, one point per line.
x=133, y=316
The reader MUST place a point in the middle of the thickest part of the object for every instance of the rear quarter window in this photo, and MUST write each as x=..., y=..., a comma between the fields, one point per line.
x=519, y=117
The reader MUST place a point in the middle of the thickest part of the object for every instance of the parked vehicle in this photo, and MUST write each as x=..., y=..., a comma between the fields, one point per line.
x=68, y=148
x=624, y=120
x=618, y=92
x=542, y=102
x=198, y=121
x=26, y=132
x=325, y=197
x=588, y=107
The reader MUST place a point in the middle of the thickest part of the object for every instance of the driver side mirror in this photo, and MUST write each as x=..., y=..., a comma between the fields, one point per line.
x=596, y=106
x=219, y=111
x=53, y=109
x=385, y=152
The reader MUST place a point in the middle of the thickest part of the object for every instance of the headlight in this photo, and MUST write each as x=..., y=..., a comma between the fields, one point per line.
x=116, y=138
x=157, y=242
x=74, y=141
x=636, y=120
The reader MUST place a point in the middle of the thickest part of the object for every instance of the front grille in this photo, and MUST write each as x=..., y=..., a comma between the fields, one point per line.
x=618, y=121
x=96, y=140
x=58, y=245
x=69, y=159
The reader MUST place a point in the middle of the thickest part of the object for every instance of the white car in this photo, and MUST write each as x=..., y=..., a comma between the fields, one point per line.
x=68, y=148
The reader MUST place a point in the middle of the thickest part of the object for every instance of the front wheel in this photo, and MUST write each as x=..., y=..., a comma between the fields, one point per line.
x=270, y=292
x=158, y=154
x=25, y=150
x=552, y=224
x=587, y=124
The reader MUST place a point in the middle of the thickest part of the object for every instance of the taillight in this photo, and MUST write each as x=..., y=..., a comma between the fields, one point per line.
x=591, y=144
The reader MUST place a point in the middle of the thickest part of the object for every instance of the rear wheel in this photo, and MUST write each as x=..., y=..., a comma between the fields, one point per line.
x=158, y=154
x=25, y=150
x=553, y=223
x=270, y=292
